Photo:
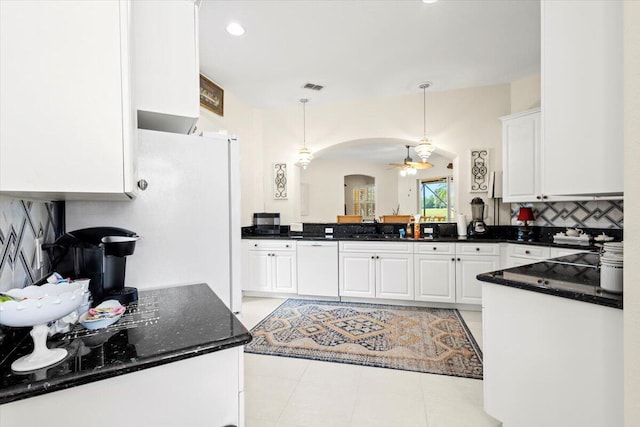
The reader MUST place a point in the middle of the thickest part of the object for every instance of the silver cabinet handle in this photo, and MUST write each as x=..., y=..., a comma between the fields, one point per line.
x=317, y=246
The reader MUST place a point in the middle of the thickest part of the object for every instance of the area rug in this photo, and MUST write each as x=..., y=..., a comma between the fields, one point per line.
x=432, y=340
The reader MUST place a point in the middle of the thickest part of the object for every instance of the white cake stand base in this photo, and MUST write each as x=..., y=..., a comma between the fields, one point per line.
x=41, y=355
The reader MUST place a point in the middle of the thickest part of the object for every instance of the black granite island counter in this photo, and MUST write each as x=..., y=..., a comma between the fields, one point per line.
x=574, y=276
x=552, y=339
x=185, y=333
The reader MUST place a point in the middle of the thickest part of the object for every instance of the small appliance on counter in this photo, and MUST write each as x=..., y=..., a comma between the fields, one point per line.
x=267, y=223
x=98, y=254
x=477, y=226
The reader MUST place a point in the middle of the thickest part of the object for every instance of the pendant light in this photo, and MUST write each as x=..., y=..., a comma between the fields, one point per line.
x=304, y=155
x=425, y=147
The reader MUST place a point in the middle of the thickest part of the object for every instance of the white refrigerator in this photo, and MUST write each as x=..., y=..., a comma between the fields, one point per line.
x=188, y=216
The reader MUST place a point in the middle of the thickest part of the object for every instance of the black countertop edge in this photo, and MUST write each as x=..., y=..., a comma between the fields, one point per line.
x=578, y=296
x=18, y=393
x=152, y=332
x=594, y=247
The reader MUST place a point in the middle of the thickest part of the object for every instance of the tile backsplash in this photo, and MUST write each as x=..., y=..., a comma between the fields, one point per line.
x=586, y=214
x=21, y=222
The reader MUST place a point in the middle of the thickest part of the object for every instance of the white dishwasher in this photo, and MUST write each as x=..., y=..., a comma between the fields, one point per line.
x=317, y=268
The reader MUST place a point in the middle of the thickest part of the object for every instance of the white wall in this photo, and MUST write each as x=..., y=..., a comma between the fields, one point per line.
x=245, y=123
x=457, y=121
x=525, y=93
x=631, y=34
x=325, y=182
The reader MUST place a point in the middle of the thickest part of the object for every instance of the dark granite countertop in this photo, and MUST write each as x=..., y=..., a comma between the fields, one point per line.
x=164, y=326
x=575, y=277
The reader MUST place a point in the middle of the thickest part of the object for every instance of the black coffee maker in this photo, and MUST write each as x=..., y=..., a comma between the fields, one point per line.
x=98, y=254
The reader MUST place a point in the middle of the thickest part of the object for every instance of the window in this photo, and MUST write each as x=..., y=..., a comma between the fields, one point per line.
x=364, y=201
x=436, y=199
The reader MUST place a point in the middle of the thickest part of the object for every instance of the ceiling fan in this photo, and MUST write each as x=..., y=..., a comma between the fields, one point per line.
x=408, y=166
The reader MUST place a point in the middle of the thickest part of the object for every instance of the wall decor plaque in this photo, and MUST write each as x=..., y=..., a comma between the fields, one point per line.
x=280, y=181
x=479, y=171
x=211, y=96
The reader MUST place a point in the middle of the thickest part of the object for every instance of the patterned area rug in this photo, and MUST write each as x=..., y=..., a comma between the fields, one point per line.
x=433, y=340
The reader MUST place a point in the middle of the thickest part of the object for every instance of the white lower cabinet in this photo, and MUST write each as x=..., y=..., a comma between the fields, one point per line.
x=468, y=288
x=270, y=266
x=435, y=272
x=446, y=272
x=376, y=270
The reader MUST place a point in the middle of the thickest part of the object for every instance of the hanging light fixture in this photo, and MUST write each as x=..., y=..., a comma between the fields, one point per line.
x=425, y=147
x=304, y=155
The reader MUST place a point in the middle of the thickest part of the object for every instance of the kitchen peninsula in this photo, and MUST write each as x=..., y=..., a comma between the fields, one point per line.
x=550, y=333
x=178, y=344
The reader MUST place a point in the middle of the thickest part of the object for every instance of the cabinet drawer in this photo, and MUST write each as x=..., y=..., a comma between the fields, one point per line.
x=435, y=248
x=525, y=251
x=388, y=247
x=477, y=249
x=281, y=245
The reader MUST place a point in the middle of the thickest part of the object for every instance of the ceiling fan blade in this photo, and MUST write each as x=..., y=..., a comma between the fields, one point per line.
x=397, y=165
x=420, y=165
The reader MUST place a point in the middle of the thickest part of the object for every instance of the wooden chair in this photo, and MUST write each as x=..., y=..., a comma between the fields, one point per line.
x=349, y=219
x=396, y=219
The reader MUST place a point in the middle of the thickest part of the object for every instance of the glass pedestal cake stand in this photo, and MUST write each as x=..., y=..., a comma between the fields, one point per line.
x=36, y=306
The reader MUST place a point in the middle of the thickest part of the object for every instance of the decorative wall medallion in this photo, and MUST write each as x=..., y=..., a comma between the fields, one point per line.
x=479, y=171
x=280, y=181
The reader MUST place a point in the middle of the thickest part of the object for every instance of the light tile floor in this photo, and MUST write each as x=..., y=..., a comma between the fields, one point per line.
x=288, y=392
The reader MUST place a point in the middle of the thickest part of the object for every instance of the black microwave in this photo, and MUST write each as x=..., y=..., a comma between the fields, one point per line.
x=266, y=223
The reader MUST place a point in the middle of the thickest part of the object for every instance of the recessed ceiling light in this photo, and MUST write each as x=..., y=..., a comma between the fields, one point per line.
x=235, y=29
x=429, y=1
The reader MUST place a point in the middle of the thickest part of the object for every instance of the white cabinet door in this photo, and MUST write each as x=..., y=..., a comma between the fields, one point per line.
x=357, y=275
x=258, y=277
x=435, y=278
x=394, y=276
x=468, y=288
x=521, y=157
x=166, y=64
x=65, y=66
x=582, y=141
x=283, y=265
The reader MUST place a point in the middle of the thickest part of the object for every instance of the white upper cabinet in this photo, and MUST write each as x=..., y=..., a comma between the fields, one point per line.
x=521, y=156
x=167, y=82
x=582, y=140
x=66, y=122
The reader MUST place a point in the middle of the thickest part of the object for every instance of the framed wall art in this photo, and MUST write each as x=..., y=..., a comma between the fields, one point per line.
x=211, y=96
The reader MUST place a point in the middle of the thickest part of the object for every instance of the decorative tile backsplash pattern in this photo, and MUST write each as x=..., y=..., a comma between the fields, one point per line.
x=21, y=222
x=589, y=214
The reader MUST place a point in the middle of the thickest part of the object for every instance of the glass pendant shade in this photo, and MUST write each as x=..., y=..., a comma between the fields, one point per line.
x=403, y=172
x=424, y=149
x=304, y=157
